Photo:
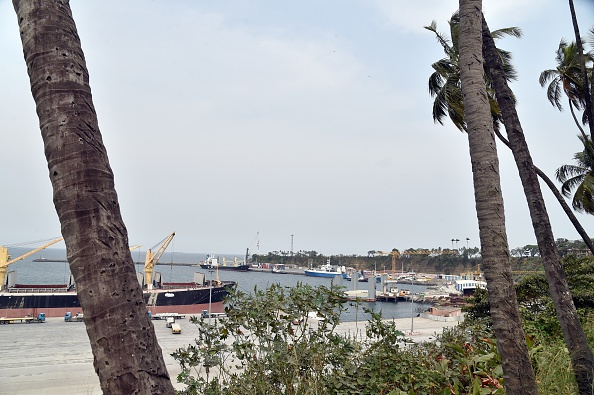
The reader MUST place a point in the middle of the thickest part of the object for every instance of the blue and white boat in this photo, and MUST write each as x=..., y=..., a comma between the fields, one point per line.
x=327, y=270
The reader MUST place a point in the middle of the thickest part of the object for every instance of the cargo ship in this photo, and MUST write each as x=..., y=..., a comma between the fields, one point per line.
x=56, y=299
x=49, y=260
x=160, y=297
x=212, y=263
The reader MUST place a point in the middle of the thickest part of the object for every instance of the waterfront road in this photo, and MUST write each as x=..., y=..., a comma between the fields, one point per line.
x=54, y=358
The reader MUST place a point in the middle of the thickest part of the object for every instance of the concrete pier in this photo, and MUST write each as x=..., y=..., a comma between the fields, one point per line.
x=54, y=358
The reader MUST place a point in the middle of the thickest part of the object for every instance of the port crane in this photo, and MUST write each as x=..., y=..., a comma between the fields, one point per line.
x=395, y=254
x=5, y=262
x=153, y=257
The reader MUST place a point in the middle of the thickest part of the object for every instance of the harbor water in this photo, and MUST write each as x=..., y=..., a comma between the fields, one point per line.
x=29, y=272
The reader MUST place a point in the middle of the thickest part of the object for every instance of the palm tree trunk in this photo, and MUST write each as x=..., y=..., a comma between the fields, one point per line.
x=588, y=99
x=577, y=343
x=517, y=370
x=584, y=135
x=560, y=199
x=127, y=357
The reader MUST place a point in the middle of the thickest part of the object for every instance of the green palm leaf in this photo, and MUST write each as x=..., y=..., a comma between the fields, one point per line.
x=444, y=82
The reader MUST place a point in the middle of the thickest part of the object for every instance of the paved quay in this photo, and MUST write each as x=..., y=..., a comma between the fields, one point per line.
x=54, y=358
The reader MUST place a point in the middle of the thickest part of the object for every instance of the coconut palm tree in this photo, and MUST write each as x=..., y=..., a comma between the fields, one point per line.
x=575, y=338
x=444, y=84
x=127, y=356
x=588, y=106
x=566, y=78
x=517, y=369
x=580, y=177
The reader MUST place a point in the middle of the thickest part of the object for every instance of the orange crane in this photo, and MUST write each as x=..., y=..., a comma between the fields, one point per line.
x=4, y=259
x=395, y=254
x=153, y=257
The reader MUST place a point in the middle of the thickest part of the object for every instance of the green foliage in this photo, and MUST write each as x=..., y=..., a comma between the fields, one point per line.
x=538, y=311
x=478, y=307
x=267, y=346
x=552, y=367
x=445, y=83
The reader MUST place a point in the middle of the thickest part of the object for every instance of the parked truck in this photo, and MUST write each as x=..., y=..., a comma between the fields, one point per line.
x=27, y=319
x=205, y=314
x=78, y=317
x=175, y=329
x=164, y=316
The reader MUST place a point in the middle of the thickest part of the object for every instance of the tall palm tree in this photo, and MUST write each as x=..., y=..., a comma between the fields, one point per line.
x=571, y=78
x=588, y=106
x=444, y=85
x=580, y=177
x=575, y=338
x=517, y=370
x=127, y=357
x=566, y=78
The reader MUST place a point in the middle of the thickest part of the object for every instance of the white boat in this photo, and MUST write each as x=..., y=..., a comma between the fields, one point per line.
x=327, y=270
x=279, y=268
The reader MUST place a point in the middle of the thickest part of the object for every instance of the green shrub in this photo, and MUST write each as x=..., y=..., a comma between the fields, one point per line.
x=267, y=346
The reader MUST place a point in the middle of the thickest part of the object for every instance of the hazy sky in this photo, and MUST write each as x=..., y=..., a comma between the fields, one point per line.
x=223, y=119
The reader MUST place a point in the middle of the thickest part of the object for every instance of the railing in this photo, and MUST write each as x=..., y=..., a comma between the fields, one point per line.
x=37, y=290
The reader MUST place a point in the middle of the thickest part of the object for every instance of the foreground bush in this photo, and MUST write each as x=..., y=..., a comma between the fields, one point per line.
x=267, y=346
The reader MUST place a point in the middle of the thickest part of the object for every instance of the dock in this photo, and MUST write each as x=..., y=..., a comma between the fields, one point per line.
x=67, y=353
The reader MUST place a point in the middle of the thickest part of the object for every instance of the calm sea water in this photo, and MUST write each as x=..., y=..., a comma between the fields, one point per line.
x=29, y=272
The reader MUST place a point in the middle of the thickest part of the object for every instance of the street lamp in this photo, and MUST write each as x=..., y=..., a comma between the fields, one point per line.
x=210, y=298
x=412, y=315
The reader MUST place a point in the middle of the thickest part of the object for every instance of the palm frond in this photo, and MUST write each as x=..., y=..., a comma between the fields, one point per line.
x=508, y=31
x=554, y=93
x=579, y=177
x=445, y=43
x=444, y=83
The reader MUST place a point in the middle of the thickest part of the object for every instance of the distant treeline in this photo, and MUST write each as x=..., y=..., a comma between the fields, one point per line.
x=422, y=260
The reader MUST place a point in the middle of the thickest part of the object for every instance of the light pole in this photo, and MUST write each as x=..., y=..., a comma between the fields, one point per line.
x=412, y=316
x=210, y=298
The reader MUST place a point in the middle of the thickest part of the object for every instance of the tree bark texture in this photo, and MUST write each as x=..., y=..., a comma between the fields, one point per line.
x=127, y=357
x=575, y=338
x=511, y=343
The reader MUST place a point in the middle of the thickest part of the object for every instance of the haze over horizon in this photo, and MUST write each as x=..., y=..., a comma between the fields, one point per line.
x=306, y=123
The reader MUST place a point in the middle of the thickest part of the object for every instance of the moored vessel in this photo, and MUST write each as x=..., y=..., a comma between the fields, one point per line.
x=327, y=270
x=212, y=263
x=57, y=299
x=160, y=297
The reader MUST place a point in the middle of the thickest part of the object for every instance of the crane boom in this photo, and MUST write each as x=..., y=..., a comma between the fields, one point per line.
x=395, y=254
x=4, y=262
x=152, y=259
